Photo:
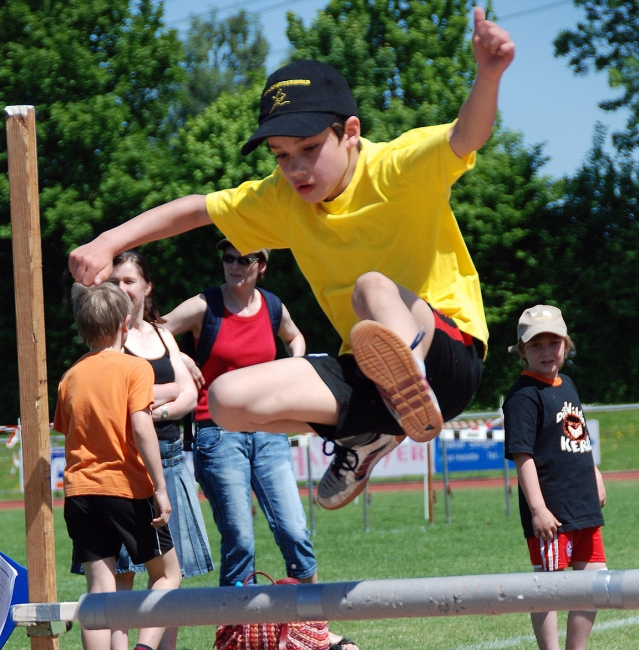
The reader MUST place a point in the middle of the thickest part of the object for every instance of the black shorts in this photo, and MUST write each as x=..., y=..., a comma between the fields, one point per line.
x=99, y=525
x=453, y=367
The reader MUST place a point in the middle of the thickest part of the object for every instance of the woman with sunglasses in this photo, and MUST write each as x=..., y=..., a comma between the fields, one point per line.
x=229, y=465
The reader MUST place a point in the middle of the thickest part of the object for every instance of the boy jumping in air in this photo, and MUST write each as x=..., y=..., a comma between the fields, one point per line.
x=114, y=485
x=371, y=228
x=561, y=490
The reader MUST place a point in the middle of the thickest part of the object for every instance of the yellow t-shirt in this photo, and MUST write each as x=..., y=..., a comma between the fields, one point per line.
x=394, y=217
x=96, y=398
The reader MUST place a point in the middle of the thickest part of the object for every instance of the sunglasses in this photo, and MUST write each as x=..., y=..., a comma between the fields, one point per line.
x=245, y=260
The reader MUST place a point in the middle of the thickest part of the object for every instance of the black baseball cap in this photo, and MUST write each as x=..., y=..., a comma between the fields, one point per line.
x=301, y=99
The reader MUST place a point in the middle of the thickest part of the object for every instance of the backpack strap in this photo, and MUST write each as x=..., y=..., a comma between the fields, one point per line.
x=274, y=307
x=212, y=321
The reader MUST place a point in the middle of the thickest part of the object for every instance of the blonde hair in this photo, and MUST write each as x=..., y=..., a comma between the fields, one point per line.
x=571, y=348
x=99, y=312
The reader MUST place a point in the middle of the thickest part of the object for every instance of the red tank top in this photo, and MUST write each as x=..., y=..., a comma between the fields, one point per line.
x=241, y=341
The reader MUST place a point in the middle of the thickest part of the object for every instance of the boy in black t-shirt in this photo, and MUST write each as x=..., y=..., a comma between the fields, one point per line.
x=561, y=491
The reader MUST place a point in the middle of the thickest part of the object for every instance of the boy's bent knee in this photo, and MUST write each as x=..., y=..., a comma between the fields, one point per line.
x=225, y=393
x=227, y=402
x=372, y=281
x=370, y=284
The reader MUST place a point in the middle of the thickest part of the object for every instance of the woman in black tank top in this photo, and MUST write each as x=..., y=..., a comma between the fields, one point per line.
x=167, y=429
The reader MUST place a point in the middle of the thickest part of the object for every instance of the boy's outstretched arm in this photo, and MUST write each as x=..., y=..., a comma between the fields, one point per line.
x=545, y=524
x=601, y=488
x=494, y=51
x=92, y=263
x=146, y=440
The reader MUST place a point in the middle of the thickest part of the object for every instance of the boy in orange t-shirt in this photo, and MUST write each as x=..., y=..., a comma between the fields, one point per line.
x=114, y=485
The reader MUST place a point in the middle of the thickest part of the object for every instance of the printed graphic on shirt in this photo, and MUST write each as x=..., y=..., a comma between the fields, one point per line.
x=575, y=439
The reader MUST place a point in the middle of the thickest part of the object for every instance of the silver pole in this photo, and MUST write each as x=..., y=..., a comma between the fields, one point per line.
x=311, y=505
x=367, y=600
x=506, y=487
x=367, y=528
x=426, y=475
x=506, y=477
x=445, y=468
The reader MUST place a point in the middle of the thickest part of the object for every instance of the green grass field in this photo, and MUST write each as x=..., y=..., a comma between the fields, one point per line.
x=400, y=544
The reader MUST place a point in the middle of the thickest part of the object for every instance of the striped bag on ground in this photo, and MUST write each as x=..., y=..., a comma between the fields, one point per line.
x=310, y=635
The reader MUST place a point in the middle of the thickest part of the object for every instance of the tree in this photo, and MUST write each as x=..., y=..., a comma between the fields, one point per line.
x=222, y=56
x=592, y=236
x=101, y=75
x=499, y=206
x=608, y=40
x=409, y=63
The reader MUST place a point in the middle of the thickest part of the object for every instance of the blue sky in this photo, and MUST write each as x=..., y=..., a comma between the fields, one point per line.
x=540, y=96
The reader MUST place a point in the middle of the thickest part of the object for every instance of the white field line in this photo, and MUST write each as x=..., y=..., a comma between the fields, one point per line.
x=517, y=641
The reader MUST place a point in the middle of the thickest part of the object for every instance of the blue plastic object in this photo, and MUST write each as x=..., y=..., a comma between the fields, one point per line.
x=20, y=595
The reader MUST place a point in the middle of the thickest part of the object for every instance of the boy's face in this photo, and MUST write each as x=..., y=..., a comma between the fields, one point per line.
x=320, y=167
x=545, y=354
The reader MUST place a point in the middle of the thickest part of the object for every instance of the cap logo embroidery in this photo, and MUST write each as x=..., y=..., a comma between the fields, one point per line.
x=540, y=315
x=279, y=99
x=287, y=82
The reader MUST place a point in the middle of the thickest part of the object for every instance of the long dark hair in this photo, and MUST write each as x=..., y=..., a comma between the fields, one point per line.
x=151, y=311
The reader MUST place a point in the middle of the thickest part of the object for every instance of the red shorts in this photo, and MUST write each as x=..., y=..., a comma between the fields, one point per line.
x=585, y=545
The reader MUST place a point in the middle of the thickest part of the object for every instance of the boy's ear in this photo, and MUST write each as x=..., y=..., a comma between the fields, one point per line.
x=521, y=351
x=126, y=326
x=352, y=131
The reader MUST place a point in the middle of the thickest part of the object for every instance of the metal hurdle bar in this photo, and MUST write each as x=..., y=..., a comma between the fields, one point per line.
x=370, y=599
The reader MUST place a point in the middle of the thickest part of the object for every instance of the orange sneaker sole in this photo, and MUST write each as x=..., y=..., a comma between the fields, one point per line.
x=386, y=360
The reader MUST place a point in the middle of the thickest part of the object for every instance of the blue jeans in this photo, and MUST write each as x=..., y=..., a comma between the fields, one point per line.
x=227, y=465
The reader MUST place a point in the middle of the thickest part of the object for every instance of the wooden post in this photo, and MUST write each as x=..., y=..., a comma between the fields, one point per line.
x=34, y=406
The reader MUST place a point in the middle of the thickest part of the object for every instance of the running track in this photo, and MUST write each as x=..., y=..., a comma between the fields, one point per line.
x=453, y=484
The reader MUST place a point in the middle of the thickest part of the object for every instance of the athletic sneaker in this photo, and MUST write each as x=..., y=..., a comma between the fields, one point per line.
x=350, y=468
x=385, y=359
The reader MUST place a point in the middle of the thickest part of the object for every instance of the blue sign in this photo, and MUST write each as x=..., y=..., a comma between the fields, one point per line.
x=470, y=455
x=20, y=595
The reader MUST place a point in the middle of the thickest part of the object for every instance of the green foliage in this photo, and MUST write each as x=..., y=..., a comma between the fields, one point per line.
x=408, y=63
x=110, y=88
x=608, y=40
x=498, y=206
x=222, y=56
x=592, y=239
x=102, y=76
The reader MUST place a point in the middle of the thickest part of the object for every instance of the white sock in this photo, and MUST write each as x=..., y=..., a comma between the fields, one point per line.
x=420, y=364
